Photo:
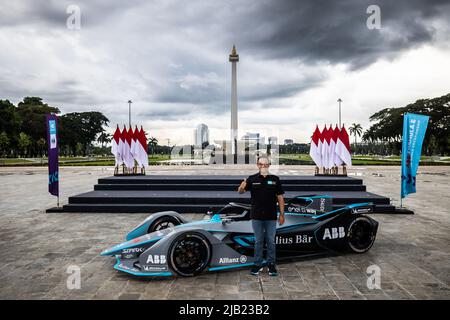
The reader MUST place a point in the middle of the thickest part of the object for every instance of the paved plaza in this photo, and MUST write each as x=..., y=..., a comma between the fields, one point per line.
x=37, y=248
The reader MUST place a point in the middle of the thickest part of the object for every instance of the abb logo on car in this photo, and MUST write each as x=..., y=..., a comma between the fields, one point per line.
x=335, y=233
x=156, y=259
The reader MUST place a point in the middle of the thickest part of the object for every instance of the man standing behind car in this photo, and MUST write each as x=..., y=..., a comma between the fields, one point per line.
x=266, y=191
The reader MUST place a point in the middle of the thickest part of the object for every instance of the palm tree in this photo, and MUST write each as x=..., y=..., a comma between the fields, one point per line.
x=356, y=130
x=153, y=142
x=104, y=138
x=41, y=145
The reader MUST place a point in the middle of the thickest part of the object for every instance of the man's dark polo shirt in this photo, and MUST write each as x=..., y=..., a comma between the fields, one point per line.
x=264, y=192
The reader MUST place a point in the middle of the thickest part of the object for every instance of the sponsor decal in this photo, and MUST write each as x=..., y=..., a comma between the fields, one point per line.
x=132, y=250
x=322, y=204
x=241, y=259
x=362, y=210
x=129, y=253
x=156, y=259
x=295, y=239
x=153, y=268
x=334, y=233
x=302, y=238
x=301, y=210
x=52, y=128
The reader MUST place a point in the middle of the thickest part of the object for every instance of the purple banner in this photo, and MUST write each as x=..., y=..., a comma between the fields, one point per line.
x=52, y=142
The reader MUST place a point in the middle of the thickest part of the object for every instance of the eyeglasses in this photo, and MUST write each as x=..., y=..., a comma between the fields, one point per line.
x=263, y=164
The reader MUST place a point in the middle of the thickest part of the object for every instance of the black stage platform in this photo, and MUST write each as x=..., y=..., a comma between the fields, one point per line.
x=199, y=194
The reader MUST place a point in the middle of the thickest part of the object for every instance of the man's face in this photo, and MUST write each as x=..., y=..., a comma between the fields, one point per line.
x=263, y=165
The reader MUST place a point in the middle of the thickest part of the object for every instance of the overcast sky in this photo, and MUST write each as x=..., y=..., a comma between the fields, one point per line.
x=171, y=58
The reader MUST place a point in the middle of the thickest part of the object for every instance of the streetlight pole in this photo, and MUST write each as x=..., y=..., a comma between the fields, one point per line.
x=339, y=100
x=129, y=112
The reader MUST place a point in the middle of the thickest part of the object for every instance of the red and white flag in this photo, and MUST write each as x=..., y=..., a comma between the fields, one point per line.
x=336, y=134
x=343, y=147
x=126, y=154
x=121, y=147
x=325, y=151
x=332, y=147
x=315, y=147
x=134, y=142
x=115, y=146
x=142, y=146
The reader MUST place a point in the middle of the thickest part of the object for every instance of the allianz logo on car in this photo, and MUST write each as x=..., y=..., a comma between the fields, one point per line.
x=241, y=259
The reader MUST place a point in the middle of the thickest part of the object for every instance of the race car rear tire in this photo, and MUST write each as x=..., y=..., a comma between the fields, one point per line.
x=163, y=222
x=189, y=254
x=361, y=235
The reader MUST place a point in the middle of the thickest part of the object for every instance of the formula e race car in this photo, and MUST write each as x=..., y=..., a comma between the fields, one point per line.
x=165, y=243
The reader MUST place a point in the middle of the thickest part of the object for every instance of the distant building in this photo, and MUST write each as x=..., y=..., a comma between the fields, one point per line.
x=253, y=138
x=288, y=141
x=272, y=140
x=201, y=135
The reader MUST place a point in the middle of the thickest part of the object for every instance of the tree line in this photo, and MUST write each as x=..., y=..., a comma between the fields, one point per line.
x=23, y=130
x=385, y=134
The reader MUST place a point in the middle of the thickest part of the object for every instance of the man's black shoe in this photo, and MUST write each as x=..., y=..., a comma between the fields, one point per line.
x=272, y=270
x=256, y=270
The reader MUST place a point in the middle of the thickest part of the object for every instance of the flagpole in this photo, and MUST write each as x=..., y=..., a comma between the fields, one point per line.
x=339, y=100
x=129, y=111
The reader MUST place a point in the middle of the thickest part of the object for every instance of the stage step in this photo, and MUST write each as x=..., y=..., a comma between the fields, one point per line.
x=209, y=197
x=222, y=179
x=226, y=187
x=201, y=193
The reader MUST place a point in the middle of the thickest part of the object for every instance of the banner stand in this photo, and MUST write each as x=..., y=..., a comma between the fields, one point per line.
x=53, y=162
x=414, y=129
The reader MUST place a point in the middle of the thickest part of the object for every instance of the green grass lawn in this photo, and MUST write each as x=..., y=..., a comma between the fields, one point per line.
x=292, y=159
x=14, y=161
x=75, y=161
x=363, y=160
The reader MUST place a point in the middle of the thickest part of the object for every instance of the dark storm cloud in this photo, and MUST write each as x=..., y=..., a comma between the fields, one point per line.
x=310, y=30
x=335, y=31
x=52, y=13
x=137, y=40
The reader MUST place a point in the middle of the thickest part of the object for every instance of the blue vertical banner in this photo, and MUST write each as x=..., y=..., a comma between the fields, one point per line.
x=52, y=142
x=414, y=128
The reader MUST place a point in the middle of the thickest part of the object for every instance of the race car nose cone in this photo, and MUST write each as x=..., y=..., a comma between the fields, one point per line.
x=109, y=252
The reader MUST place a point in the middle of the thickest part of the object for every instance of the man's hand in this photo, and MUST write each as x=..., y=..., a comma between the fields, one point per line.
x=242, y=186
x=281, y=218
x=281, y=204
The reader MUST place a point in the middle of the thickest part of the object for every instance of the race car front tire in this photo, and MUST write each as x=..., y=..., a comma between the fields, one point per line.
x=361, y=235
x=163, y=222
x=189, y=254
